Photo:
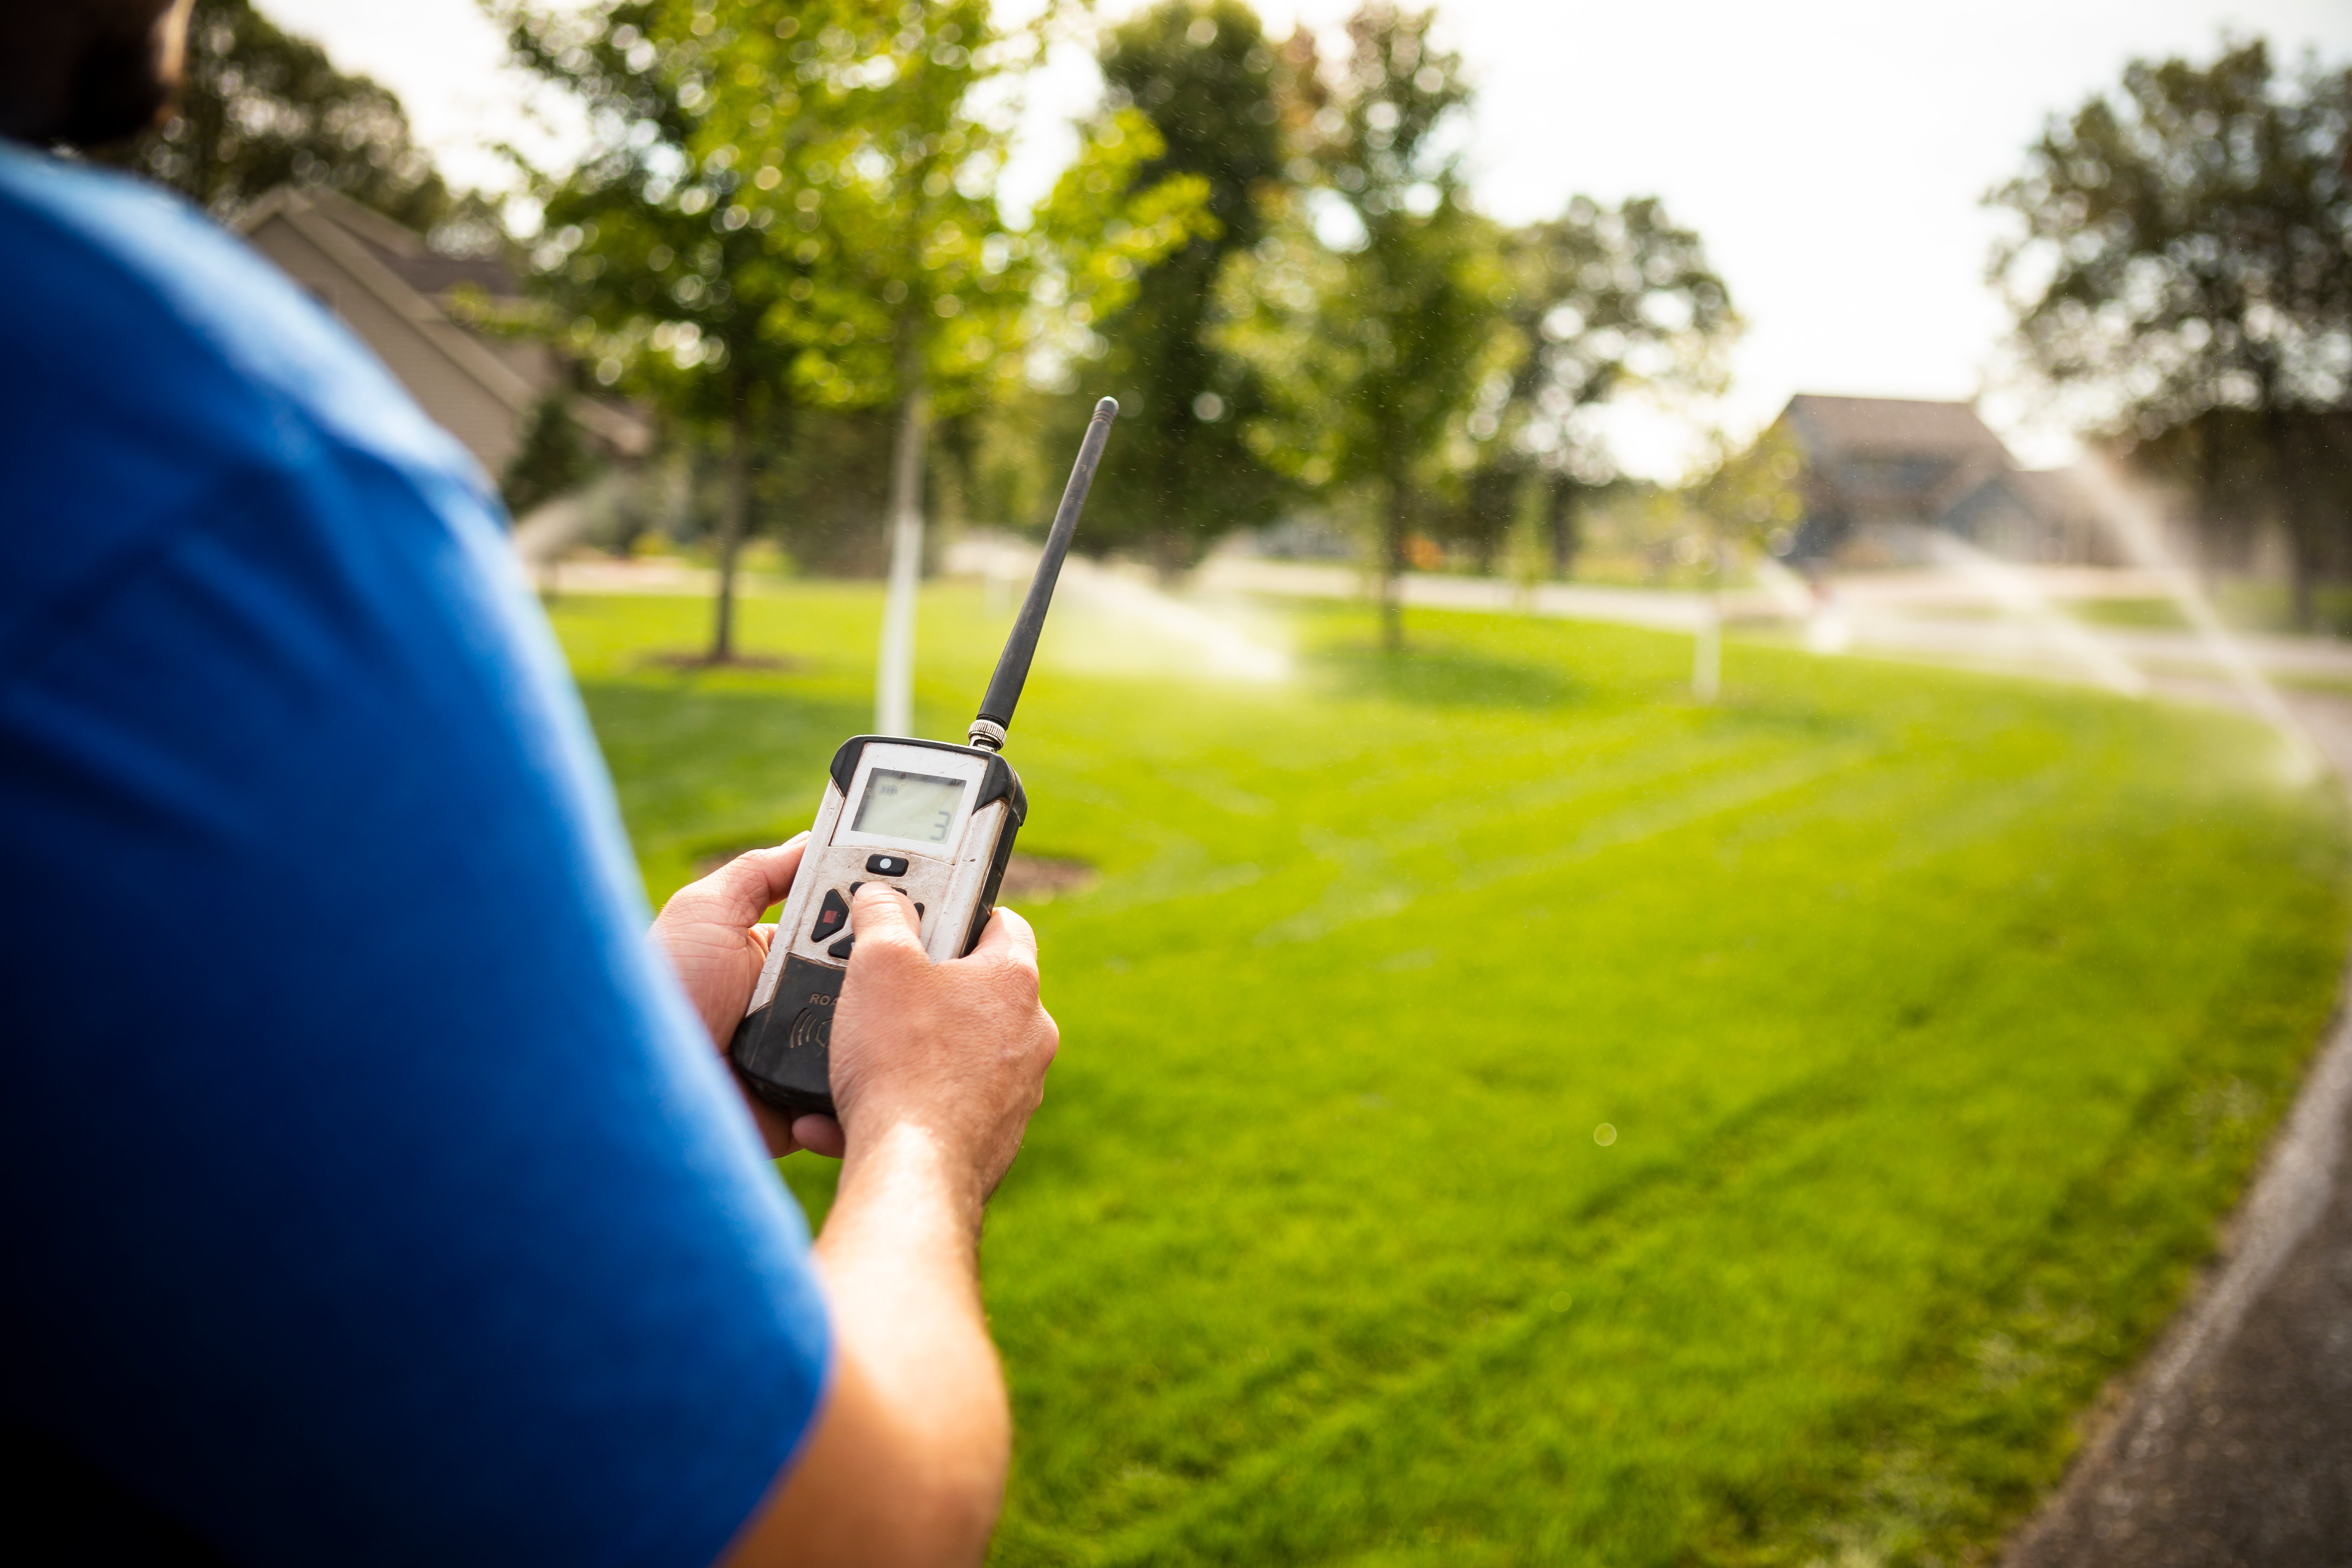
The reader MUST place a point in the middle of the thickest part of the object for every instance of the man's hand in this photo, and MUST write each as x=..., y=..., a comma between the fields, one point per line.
x=936, y=1069
x=957, y=1050
x=711, y=934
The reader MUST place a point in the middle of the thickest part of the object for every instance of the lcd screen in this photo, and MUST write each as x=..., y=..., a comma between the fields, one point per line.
x=908, y=805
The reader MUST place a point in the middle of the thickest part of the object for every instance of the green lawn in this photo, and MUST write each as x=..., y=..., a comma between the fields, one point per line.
x=1936, y=1019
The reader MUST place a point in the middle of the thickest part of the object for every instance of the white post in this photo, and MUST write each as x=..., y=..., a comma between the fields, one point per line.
x=1706, y=652
x=894, y=678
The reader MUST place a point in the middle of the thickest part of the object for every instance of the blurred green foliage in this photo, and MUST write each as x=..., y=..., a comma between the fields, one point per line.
x=1179, y=476
x=261, y=107
x=792, y=203
x=2182, y=279
x=1602, y=301
x=1371, y=314
x=786, y=237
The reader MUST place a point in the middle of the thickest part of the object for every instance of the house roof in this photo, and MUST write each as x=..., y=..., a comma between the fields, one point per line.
x=1854, y=426
x=408, y=255
x=2054, y=495
x=393, y=263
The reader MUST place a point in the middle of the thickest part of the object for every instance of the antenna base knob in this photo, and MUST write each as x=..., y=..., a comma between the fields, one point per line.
x=987, y=734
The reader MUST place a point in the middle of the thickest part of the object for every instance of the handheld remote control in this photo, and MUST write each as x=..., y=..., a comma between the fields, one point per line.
x=934, y=820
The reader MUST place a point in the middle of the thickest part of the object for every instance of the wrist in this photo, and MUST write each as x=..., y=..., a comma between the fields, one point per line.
x=911, y=1165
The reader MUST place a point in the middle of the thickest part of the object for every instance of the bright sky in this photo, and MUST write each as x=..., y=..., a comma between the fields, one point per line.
x=1831, y=153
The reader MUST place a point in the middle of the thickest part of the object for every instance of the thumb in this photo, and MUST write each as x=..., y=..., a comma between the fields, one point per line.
x=885, y=917
x=738, y=892
x=1007, y=939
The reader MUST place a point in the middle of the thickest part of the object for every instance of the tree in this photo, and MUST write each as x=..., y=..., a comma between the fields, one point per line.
x=1750, y=495
x=1370, y=352
x=669, y=260
x=1179, y=474
x=1602, y=302
x=926, y=298
x=792, y=205
x=918, y=249
x=2186, y=253
x=552, y=458
x=260, y=108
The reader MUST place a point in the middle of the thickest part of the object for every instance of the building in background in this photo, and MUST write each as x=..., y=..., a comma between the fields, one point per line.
x=395, y=293
x=1879, y=470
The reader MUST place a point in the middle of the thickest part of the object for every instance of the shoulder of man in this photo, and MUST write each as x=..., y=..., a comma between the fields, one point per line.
x=156, y=359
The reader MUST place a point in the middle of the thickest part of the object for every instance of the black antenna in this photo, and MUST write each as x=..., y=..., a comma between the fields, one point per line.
x=1012, y=664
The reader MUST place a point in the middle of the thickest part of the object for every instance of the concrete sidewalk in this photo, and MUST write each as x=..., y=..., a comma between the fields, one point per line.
x=1940, y=617
x=2233, y=1447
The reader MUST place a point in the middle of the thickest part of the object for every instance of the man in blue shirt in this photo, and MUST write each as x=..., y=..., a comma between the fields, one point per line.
x=373, y=1190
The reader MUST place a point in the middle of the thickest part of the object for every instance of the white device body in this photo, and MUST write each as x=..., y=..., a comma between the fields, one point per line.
x=949, y=877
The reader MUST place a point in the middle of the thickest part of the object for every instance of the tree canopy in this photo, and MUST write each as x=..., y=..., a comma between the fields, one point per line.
x=793, y=205
x=1600, y=301
x=1179, y=474
x=2184, y=262
x=1370, y=347
x=261, y=107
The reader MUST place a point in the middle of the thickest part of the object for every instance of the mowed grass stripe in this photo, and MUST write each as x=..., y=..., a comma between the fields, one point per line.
x=1939, y=1019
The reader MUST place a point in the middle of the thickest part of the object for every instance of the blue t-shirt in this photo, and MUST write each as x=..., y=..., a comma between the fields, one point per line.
x=372, y=1194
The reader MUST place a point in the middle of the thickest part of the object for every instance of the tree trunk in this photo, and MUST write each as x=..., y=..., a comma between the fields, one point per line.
x=2302, y=536
x=1394, y=531
x=2303, y=574
x=731, y=518
x=893, y=681
x=1171, y=554
x=1561, y=513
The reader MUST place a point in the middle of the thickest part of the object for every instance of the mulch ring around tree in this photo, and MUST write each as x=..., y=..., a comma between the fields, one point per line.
x=760, y=661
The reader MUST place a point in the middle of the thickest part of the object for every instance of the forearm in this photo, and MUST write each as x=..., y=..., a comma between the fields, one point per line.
x=900, y=1255
x=901, y=1259
x=902, y=1238
x=937, y=1069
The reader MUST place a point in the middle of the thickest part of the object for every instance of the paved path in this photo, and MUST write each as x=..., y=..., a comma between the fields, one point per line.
x=2233, y=1448
x=1948, y=617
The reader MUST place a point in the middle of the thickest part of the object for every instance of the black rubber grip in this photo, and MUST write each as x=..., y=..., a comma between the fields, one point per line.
x=784, y=1050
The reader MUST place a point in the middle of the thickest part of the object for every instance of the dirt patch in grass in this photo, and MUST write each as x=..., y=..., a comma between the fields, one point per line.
x=1039, y=879
x=760, y=661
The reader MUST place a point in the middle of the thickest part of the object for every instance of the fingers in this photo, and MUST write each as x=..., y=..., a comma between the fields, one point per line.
x=738, y=892
x=1008, y=938
x=775, y=1126
x=884, y=917
x=820, y=1135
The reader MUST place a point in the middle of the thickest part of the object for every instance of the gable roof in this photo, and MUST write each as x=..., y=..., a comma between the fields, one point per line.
x=2056, y=495
x=1837, y=427
x=394, y=266
x=354, y=238
x=409, y=254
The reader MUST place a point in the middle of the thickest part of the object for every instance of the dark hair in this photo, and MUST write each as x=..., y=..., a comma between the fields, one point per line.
x=82, y=73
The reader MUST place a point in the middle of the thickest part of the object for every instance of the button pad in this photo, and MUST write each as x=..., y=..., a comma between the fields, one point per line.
x=831, y=916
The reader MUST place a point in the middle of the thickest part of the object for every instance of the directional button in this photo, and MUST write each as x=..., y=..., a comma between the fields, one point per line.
x=831, y=916
x=886, y=865
x=841, y=949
